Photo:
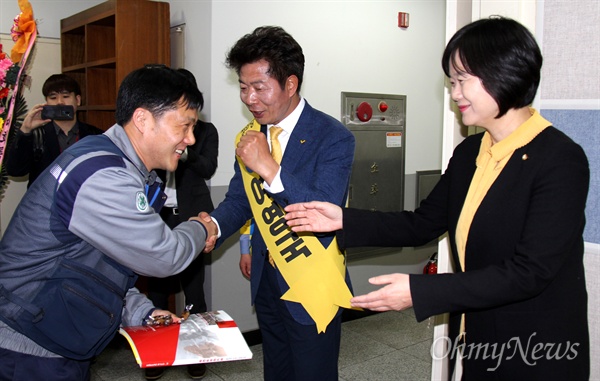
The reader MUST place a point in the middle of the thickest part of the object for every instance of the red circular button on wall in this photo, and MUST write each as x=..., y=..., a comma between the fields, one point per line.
x=382, y=106
x=364, y=112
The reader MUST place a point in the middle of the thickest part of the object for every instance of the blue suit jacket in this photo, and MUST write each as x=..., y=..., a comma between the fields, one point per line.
x=316, y=165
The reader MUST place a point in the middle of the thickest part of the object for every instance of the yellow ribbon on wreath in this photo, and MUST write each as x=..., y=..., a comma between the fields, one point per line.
x=315, y=274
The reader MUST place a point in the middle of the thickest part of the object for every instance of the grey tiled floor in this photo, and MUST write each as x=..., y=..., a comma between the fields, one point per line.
x=381, y=347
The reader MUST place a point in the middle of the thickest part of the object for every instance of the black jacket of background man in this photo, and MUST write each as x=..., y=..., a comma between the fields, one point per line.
x=24, y=158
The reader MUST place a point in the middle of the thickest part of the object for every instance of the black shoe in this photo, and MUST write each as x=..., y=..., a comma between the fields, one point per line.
x=197, y=371
x=154, y=373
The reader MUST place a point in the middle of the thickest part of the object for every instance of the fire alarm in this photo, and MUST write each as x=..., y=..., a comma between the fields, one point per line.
x=403, y=19
x=382, y=106
x=364, y=112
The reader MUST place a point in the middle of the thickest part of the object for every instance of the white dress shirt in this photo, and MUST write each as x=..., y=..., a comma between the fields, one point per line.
x=288, y=125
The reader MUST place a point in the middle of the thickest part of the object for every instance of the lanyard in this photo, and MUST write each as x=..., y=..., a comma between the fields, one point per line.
x=156, y=190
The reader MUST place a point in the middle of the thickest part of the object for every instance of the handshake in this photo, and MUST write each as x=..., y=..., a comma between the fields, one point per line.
x=211, y=230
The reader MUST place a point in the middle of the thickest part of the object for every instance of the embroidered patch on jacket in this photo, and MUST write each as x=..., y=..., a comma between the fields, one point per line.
x=141, y=201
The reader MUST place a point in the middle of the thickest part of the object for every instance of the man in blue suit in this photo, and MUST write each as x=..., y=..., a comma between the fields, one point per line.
x=317, y=154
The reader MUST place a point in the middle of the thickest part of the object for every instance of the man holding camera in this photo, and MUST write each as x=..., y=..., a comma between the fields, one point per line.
x=47, y=131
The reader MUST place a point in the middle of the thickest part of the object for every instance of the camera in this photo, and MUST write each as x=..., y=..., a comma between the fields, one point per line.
x=58, y=112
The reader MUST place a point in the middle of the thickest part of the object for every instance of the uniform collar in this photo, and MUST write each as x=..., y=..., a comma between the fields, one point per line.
x=118, y=136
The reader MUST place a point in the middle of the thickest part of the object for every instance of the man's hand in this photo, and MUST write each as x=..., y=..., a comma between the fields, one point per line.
x=33, y=119
x=246, y=265
x=315, y=216
x=254, y=151
x=395, y=296
x=211, y=229
x=162, y=317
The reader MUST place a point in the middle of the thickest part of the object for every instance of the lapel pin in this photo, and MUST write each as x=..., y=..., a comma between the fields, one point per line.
x=302, y=141
x=524, y=157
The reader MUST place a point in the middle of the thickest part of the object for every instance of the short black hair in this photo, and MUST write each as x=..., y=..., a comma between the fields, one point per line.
x=274, y=45
x=158, y=89
x=57, y=83
x=190, y=77
x=503, y=54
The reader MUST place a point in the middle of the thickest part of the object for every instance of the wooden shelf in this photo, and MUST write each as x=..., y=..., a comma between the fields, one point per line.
x=74, y=68
x=101, y=45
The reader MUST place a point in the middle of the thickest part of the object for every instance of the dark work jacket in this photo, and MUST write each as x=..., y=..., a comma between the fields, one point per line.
x=524, y=282
x=22, y=158
x=68, y=298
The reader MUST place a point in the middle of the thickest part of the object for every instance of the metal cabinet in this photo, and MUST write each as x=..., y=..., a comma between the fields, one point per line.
x=378, y=122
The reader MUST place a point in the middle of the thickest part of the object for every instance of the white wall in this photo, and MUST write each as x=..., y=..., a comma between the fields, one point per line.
x=348, y=46
x=196, y=15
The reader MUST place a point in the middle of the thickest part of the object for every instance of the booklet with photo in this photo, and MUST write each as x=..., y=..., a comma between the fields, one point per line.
x=201, y=338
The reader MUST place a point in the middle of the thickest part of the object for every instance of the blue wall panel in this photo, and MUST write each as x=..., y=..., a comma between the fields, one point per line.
x=583, y=126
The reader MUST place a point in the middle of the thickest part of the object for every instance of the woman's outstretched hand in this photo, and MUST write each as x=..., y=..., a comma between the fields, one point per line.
x=395, y=295
x=314, y=216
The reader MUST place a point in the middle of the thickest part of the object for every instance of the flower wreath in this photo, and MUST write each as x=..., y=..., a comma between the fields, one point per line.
x=12, y=76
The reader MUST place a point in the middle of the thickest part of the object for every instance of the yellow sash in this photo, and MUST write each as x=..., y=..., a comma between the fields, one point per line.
x=315, y=275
